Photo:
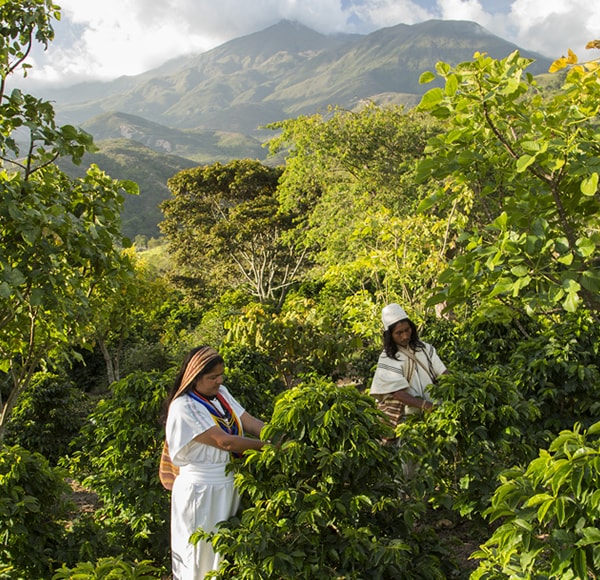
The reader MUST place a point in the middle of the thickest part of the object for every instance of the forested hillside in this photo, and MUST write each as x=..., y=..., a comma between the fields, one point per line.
x=477, y=211
x=127, y=159
x=213, y=107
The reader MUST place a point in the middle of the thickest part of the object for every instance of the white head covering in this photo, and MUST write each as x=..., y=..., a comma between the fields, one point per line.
x=391, y=314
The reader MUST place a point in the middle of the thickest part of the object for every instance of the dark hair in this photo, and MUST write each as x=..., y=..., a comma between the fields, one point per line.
x=177, y=383
x=391, y=348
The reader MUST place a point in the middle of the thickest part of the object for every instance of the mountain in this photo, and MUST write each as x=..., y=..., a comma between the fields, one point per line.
x=213, y=106
x=201, y=146
x=284, y=71
x=126, y=159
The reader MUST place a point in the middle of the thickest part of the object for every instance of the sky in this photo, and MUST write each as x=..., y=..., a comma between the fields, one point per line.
x=104, y=40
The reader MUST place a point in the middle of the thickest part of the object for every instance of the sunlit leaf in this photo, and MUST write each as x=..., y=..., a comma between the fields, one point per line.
x=589, y=185
x=558, y=64
x=524, y=162
x=426, y=77
x=431, y=99
x=572, y=58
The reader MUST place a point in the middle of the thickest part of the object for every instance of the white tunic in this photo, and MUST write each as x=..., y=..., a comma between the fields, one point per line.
x=393, y=375
x=203, y=494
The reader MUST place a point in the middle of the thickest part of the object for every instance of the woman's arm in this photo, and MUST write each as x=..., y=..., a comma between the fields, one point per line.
x=251, y=424
x=405, y=397
x=216, y=437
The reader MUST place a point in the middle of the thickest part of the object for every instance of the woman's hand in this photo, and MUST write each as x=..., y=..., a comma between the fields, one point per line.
x=426, y=406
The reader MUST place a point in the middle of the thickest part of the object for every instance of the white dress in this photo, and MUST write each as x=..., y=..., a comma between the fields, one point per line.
x=203, y=494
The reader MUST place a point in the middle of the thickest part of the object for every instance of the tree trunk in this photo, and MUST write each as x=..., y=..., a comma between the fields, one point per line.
x=110, y=367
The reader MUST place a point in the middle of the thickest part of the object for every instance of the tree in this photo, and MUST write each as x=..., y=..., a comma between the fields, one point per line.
x=225, y=228
x=352, y=174
x=118, y=316
x=345, y=167
x=522, y=166
x=60, y=236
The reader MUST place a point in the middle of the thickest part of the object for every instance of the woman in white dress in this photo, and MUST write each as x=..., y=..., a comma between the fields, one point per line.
x=205, y=425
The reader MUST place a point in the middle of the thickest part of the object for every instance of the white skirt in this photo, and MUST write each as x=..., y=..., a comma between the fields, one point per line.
x=202, y=497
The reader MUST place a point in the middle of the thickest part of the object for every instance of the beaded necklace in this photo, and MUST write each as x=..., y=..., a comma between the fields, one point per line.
x=225, y=419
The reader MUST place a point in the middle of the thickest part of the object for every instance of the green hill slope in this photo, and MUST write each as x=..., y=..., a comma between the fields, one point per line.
x=201, y=146
x=125, y=159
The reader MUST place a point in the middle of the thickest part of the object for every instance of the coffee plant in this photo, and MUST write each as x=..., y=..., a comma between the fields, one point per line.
x=475, y=431
x=34, y=506
x=120, y=451
x=108, y=569
x=548, y=514
x=326, y=500
x=47, y=416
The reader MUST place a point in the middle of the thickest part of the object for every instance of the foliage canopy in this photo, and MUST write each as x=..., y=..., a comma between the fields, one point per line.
x=523, y=166
x=61, y=238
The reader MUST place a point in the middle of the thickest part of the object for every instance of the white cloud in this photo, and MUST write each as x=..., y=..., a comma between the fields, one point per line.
x=124, y=37
x=103, y=40
x=553, y=26
x=382, y=13
x=463, y=10
x=127, y=37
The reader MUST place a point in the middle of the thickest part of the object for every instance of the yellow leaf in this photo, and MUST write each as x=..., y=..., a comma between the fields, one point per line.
x=558, y=64
x=593, y=44
x=572, y=57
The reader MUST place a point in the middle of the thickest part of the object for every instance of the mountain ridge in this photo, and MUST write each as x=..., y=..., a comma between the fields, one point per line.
x=285, y=70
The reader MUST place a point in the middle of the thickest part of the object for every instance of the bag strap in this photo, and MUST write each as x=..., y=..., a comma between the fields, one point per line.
x=412, y=357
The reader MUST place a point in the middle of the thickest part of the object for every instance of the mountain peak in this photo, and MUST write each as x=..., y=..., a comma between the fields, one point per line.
x=288, y=36
x=213, y=106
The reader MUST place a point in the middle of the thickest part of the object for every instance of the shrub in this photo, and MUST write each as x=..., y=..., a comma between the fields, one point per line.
x=299, y=340
x=47, y=416
x=476, y=432
x=549, y=513
x=252, y=378
x=498, y=417
x=121, y=448
x=479, y=343
x=108, y=568
x=87, y=538
x=559, y=368
x=144, y=356
x=326, y=503
x=33, y=508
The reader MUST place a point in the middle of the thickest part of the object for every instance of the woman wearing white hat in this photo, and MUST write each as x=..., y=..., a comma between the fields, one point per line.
x=405, y=369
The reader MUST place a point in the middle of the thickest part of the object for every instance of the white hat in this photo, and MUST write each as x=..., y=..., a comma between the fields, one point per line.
x=391, y=314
